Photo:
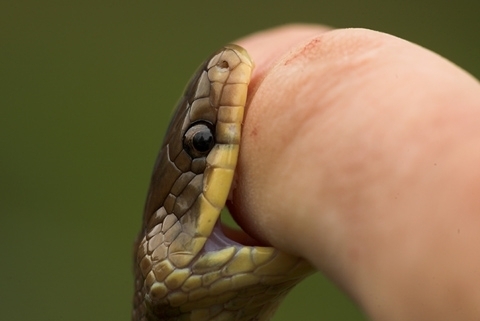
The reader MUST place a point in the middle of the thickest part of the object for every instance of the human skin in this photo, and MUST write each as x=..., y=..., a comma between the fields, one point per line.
x=361, y=153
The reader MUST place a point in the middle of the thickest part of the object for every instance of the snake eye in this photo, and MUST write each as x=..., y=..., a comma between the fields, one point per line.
x=198, y=140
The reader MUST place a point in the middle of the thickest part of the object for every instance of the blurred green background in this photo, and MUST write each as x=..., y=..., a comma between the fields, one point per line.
x=85, y=93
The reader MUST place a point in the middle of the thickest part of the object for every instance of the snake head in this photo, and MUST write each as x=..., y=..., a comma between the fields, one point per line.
x=185, y=267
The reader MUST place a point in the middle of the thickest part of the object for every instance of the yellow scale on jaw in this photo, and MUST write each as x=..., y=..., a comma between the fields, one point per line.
x=177, y=276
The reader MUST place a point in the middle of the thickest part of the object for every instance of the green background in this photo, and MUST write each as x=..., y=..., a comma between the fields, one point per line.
x=86, y=89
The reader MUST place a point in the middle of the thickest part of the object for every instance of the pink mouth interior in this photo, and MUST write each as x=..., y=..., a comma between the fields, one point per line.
x=224, y=236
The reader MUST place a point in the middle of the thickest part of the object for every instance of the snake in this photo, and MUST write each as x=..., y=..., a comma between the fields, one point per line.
x=185, y=267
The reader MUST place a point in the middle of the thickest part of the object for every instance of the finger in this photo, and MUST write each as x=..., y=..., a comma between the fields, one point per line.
x=320, y=125
x=360, y=152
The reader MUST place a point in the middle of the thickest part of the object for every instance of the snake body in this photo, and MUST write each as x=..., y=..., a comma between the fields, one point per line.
x=185, y=267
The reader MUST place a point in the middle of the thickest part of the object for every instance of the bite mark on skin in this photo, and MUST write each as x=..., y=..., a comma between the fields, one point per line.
x=305, y=50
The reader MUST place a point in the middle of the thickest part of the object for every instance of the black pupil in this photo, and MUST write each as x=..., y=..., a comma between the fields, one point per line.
x=203, y=141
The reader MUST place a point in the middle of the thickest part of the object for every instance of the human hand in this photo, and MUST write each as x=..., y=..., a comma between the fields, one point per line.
x=361, y=153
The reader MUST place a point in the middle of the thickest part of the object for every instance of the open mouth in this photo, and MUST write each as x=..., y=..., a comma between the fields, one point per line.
x=225, y=234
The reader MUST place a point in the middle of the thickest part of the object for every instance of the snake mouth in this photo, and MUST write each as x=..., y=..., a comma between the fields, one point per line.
x=223, y=235
x=239, y=236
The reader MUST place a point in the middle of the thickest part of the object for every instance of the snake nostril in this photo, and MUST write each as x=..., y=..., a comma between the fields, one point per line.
x=223, y=64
